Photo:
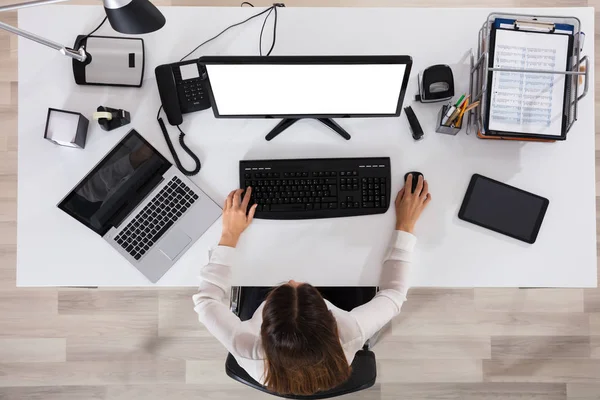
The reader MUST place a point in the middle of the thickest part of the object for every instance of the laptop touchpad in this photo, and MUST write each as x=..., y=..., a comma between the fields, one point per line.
x=173, y=243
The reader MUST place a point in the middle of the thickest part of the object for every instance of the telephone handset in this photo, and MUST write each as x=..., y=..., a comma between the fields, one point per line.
x=181, y=92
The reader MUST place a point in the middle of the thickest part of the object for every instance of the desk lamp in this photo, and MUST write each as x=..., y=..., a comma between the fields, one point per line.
x=98, y=55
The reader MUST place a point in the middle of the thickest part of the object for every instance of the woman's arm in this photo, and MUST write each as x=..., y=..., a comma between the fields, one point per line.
x=395, y=274
x=210, y=303
x=393, y=287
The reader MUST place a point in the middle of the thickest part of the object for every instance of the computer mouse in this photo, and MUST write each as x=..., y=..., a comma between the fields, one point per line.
x=415, y=180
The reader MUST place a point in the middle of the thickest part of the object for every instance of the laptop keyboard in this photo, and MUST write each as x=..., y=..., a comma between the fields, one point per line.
x=156, y=218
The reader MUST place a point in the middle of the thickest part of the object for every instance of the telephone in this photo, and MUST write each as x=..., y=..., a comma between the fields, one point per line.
x=180, y=86
x=181, y=92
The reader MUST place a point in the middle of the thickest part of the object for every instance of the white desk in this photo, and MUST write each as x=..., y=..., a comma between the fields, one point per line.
x=55, y=250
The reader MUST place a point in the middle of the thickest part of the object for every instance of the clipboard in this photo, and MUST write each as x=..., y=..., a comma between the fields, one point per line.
x=576, y=72
x=531, y=28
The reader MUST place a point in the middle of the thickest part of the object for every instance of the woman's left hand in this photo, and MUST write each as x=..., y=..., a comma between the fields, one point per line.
x=235, y=219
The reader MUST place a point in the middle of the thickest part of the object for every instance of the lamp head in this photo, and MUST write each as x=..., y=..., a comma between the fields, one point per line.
x=133, y=16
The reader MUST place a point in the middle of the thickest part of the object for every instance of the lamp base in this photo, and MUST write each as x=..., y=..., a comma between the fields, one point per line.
x=111, y=61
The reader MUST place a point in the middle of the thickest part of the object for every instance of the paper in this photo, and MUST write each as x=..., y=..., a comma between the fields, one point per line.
x=528, y=102
x=62, y=128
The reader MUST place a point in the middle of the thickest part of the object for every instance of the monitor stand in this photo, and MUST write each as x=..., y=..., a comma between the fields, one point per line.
x=287, y=122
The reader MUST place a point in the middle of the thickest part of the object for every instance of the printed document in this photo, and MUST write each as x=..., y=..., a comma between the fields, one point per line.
x=528, y=102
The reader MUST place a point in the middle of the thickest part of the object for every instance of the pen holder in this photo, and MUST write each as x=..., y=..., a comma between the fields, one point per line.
x=448, y=130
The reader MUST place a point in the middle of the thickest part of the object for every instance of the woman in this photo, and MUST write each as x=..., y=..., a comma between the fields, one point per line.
x=297, y=342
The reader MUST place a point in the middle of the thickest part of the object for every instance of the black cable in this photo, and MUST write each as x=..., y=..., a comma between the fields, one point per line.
x=193, y=156
x=274, y=32
x=78, y=42
x=98, y=27
x=261, y=32
x=246, y=2
x=225, y=30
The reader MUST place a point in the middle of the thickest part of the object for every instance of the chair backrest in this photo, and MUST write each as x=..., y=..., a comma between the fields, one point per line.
x=364, y=373
x=364, y=367
x=345, y=297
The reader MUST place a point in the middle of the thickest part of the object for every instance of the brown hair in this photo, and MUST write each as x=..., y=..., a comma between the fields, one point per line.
x=300, y=338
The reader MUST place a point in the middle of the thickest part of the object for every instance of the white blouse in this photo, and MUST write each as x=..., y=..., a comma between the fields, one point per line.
x=242, y=339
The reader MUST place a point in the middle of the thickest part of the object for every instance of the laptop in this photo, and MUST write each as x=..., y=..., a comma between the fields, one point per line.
x=142, y=205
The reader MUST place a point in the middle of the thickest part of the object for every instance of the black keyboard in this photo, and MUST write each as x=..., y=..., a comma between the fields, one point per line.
x=155, y=219
x=317, y=188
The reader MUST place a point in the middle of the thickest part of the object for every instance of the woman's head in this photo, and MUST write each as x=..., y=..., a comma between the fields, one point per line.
x=300, y=338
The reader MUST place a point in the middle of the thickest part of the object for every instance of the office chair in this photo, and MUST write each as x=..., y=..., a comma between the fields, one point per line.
x=245, y=301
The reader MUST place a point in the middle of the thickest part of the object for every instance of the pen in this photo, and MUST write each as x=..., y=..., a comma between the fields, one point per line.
x=465, y=99
x=450, y=111
x=458, y=110
x=462, y=113
x=466, y=109
x=453, y=116
x=459, y=100
x=472, y=106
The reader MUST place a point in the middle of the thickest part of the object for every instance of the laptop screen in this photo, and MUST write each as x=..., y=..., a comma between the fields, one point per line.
x=116, y=185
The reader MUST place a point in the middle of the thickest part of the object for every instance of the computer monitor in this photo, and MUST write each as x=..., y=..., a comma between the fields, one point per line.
x=295, y=87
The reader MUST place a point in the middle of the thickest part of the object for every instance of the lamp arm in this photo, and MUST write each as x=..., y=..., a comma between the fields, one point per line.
x=28, y=4
x=78, y=55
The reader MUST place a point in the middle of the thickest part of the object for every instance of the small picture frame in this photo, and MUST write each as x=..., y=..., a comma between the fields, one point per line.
x=66, y=128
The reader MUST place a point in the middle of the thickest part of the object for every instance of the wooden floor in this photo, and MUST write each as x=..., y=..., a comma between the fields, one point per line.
x=456, y=344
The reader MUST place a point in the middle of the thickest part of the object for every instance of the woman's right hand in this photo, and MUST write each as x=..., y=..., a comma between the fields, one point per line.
x=235, y=219
x=410, y=205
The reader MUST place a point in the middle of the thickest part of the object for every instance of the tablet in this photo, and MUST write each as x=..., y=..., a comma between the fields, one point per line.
x=504, y=209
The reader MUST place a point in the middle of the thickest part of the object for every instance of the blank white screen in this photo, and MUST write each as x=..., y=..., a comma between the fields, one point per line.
x=259, y=89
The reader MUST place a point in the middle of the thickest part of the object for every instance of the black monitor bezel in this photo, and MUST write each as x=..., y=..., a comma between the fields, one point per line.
x=310, y=60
